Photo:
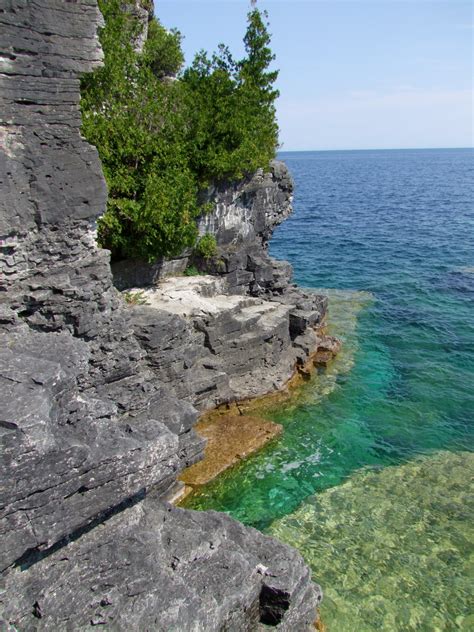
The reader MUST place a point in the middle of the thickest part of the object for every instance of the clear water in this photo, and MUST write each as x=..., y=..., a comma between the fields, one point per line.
x=388, y=535
x=395, y=546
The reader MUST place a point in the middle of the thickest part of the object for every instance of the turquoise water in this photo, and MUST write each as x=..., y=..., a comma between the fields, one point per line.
x=393, y=233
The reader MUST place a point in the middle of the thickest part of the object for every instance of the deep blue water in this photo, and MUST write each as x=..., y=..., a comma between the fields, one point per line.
x=400, y=225
x=393, y=232
x=392, y=222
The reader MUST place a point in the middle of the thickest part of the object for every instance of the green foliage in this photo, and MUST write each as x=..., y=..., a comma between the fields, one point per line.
x=135, y=298
x=207, y=208
x=206, y=247
x=162, y=140
x=136, y=122
x=232, y=121
x=162, y=52
x=254, y=68
x=191, y=271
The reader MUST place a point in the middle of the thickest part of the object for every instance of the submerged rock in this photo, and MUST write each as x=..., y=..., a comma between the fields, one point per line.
x=230, y=438
x=393, y=545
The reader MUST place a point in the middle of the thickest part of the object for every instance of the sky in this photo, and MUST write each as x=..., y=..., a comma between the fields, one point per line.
x=354, y=74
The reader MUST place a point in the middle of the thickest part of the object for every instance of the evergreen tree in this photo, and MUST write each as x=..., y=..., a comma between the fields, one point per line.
x=232, y=121
x=254, y=68
x=137, y=122
x=161, y=141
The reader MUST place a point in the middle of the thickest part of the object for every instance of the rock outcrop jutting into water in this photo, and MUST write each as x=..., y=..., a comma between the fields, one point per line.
x=241, y=332
x=96, y=420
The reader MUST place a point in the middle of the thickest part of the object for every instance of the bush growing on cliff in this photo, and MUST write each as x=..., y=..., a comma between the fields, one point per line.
x=162, y=52
x=136, y=122
x=161, y=140
x=206, y=247
x=233, y=124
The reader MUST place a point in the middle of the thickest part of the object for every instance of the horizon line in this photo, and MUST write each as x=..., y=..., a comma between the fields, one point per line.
x=372, y=149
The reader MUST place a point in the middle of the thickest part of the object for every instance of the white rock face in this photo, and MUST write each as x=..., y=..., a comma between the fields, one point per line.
x=191, y=296
x=203, y=296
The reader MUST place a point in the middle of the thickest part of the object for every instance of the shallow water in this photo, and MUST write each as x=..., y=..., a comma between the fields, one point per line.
x=393, y=232
x=396, y=546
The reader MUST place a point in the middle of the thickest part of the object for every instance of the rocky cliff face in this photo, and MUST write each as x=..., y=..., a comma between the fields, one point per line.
x=91, y=436
x=244, y=330
x=72, y=372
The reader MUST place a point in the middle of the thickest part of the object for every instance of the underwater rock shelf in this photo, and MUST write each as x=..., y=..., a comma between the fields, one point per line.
x=230, y=439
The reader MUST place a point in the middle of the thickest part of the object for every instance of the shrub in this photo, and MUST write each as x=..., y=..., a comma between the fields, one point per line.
x=162, y=52
x=191, y=271
x=161, y=142
x=135, y=298
x=137, y=123
x=206, y=247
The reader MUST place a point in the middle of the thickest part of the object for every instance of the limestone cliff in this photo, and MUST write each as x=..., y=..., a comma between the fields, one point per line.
x=91, y=439
x=243, y=330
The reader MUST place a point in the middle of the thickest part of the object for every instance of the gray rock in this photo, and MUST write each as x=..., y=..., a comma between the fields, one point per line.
x=154, y=567
x=249, y=211
x=67, y=458
x=93, y=430
x=135, y=273
x=211, y=348
x=141, y=11
x=42, y=179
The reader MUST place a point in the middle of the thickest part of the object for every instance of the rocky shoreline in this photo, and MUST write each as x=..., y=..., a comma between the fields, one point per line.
x=234, y=431
x=101, y=398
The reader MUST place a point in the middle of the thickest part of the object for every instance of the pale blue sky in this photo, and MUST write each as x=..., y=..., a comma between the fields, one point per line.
x=354, y=74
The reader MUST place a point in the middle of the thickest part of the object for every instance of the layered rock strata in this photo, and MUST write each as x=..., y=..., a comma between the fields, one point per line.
x=243, y=331
x=155, y=567
x=211, y=347
x=91, y=436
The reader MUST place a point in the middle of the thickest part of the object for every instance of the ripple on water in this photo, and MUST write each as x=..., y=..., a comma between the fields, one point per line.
x=393, y=548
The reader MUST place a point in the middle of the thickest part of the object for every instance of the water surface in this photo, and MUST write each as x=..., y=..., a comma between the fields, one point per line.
x=392, y=232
